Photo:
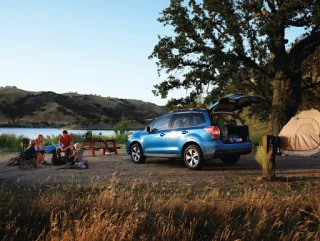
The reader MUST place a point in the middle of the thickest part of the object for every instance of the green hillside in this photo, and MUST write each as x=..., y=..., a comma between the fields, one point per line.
x=40, y=109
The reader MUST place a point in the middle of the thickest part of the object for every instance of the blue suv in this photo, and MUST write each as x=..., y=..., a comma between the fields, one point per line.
x=196, y=135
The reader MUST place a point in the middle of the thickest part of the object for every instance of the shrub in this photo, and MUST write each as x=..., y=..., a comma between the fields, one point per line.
x=10, y=142
x=121, y=127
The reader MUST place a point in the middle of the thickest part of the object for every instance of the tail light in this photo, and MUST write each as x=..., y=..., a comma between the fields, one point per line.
x=214, y=131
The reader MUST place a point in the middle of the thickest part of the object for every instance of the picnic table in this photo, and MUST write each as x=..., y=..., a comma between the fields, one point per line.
x=104, y=145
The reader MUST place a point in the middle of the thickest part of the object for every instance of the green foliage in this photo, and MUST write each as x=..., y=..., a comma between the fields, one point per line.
x=222, y=47
x=121, y=127
x=106, y=120
x=122, y=138
x=76, y=122
x=256, y=139
x=10, y=142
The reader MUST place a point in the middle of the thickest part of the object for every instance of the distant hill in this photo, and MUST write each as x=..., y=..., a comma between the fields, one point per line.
x=43, y=109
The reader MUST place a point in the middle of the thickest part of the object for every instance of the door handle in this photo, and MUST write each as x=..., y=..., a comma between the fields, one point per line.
x=184, y=132
x=162, y=134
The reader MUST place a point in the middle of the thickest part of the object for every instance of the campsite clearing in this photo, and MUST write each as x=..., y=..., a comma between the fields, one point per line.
x=290, y=171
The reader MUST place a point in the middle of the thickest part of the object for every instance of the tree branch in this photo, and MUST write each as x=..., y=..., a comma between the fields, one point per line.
x=305, y=48
x=310, y=86
x=250, y=63
x=300, y=22
x=271, y=5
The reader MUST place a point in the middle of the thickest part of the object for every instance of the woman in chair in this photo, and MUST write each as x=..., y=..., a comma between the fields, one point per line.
x=39, y=148
x=30, y=153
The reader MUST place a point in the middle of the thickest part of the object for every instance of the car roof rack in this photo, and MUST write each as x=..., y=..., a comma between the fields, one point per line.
x=187, y=109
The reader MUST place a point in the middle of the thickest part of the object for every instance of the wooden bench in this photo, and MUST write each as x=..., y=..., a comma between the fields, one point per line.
x=104, y=147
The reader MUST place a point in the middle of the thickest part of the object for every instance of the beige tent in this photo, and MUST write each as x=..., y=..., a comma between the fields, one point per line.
x=301, y=135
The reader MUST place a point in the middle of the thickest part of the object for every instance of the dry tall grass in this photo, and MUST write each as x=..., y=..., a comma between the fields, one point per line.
x=144, y=210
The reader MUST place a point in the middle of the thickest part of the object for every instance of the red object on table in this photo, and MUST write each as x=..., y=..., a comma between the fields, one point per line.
x=92, y=145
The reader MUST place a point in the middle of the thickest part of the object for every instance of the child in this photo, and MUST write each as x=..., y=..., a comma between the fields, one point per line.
x=30, y=153
x=76, y=160
x=78, y=155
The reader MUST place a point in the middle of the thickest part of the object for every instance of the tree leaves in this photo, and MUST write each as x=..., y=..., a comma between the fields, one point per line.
x=220, y=47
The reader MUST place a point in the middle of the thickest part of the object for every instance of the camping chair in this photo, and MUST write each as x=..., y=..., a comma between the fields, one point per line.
x=24, y=164
x=25, y=142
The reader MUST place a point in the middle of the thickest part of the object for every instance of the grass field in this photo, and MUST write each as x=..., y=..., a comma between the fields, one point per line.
x=159, y=211
x=116, y=199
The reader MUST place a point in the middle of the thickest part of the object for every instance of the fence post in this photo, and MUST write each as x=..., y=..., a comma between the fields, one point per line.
x=268, y=144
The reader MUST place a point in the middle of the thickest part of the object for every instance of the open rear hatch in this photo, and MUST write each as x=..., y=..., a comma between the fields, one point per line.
x=233, y=102
x=232, y=129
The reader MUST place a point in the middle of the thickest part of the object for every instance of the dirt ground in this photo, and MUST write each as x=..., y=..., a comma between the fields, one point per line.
x=289, y=169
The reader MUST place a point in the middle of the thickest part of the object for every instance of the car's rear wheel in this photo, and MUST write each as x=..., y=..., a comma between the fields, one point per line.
x=193, y=157
x=137, y=154
x=230, y=159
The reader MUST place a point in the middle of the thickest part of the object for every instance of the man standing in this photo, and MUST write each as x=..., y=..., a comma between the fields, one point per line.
x=66, y=144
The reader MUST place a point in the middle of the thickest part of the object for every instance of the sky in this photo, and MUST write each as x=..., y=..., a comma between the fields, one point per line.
x=88, y=47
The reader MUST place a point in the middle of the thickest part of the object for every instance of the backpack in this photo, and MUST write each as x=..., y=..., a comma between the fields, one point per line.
x=59, y=160
x=14, y=161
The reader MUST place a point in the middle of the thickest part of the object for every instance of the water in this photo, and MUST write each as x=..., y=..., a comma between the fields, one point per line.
x=32, y=133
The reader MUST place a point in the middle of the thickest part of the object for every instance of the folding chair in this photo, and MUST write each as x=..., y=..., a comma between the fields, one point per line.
x=25, y=142
x=24, y=164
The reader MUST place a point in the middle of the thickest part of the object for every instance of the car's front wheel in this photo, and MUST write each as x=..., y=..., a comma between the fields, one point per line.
x=137, y=154
x=193, y=157
x=230, y=159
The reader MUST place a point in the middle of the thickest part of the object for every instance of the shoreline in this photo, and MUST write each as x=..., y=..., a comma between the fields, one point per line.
x=107, y=127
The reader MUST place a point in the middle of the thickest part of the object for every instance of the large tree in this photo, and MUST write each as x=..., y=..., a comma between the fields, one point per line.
x=224, y=46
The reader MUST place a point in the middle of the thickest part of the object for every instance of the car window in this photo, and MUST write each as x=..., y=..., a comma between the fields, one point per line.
x=197, y=119
x=162, y=123
x=180, y=120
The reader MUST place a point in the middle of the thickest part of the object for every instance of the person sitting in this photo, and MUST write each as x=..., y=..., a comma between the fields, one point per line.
x=30, y=153
x=76, y=161
x=66, y=144
x=78, y=155
x=39, y=148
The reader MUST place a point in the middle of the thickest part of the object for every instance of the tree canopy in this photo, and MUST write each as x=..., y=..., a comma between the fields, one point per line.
x=241, y=46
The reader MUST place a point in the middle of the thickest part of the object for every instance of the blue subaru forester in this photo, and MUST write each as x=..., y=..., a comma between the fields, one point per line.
x=196, y=135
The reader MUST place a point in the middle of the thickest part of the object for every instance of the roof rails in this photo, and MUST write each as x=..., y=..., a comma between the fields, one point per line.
x=187, y=109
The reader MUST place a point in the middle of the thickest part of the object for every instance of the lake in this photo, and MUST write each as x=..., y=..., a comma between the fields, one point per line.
x=32, y=133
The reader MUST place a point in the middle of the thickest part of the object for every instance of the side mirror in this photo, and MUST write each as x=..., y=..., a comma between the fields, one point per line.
x=148, y=129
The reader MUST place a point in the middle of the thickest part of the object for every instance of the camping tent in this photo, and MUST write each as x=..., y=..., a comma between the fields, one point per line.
x=301, y=135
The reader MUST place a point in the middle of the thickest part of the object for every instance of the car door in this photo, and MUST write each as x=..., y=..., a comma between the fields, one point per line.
x=175, y=138
x=155, y=143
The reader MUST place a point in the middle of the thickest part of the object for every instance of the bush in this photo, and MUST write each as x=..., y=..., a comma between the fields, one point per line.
x=10, y=142
x=121, y=127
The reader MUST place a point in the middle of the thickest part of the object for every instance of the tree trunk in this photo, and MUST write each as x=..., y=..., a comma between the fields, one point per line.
x=286, y=99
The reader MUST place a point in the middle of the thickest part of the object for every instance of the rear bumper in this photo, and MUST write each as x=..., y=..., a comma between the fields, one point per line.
x=218, y=153
x=238, y=152
x=216, y=148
